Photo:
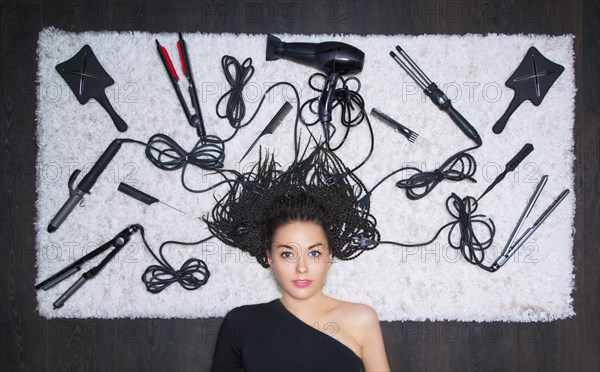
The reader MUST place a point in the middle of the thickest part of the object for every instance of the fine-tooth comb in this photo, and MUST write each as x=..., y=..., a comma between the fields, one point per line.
x=273, y=124
x=411, y=135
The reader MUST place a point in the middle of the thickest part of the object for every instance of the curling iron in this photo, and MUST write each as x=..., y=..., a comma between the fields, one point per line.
x=435, y=94
x=76, y=194
x=333, y=58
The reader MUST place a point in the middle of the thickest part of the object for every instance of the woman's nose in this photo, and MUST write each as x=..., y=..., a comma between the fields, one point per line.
x=301, y=266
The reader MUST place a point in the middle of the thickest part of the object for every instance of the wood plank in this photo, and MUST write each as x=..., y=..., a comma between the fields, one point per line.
x=23, y=338
x=590, y=54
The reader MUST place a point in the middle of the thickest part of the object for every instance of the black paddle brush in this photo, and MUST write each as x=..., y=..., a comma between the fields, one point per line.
x=531, y=81
x=87, y=79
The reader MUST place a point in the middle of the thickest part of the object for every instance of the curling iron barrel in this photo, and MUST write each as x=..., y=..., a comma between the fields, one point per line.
x=435, y=94
x=443, y=103
x=87, y=182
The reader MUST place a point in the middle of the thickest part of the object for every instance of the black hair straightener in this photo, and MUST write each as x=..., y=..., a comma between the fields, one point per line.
x=116, y=243
x=514, y=242
x=195, y=119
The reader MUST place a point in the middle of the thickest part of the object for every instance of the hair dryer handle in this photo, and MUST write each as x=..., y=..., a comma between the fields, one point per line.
x=326, y=102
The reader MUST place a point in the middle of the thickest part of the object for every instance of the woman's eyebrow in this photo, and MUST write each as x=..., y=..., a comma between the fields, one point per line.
x=284, y=246
x=294, y=247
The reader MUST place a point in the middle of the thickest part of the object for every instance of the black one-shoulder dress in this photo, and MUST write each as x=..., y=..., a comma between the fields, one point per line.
x=267, y=337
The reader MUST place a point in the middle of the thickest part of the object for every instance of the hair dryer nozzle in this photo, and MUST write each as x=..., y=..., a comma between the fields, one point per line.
x=274, y=47
x=329, y=57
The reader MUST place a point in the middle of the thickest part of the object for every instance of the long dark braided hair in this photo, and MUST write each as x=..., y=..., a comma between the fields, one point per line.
x=317, y=188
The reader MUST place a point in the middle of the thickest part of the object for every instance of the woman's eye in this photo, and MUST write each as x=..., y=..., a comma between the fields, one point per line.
x=286, y=255
x=314, y=253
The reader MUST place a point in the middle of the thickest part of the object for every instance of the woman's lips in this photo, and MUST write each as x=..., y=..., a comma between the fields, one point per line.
x=301, y=283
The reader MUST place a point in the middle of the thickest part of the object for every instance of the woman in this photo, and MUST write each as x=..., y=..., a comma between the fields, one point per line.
x=295, y=222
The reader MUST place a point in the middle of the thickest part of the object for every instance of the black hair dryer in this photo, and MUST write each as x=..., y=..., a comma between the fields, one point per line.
x=332, y=57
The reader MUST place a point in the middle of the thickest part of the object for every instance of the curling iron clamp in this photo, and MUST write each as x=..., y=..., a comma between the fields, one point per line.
x=435, y=94
x=515, y=243
x=116, y=243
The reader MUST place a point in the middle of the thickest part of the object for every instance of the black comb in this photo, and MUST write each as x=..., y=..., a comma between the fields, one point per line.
x=273, y=124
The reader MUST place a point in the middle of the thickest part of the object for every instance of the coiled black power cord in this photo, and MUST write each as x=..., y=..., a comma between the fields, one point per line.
x=166, y=154
x=352, y=113
x=237, y=75
x=461, y=235
x=192, y=275
x=469, y=244
x=458, y=167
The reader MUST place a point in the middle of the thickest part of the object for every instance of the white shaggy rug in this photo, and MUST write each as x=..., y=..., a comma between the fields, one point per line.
x=431, y=282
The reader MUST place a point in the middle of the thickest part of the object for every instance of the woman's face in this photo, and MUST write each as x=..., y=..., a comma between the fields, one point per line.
x=300, y=258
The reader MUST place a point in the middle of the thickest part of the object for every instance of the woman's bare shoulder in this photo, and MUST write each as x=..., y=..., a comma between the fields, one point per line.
x=358, y=315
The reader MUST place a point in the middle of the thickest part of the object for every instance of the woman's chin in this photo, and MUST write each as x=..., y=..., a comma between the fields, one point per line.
x=300, y=293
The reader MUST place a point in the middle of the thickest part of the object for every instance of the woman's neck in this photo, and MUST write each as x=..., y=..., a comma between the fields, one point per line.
x=307, y=307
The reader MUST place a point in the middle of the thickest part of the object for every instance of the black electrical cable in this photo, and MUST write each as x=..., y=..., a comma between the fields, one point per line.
x=468, y=243
x=237, y=75
x=235, y=109
x=353, y=112
x=192, y=275
x=166, y=154
x=458, y=167
x=344, y=97
x=208, y=154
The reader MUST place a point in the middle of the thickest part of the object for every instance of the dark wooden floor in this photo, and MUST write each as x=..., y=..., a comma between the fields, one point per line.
x=31, y=343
